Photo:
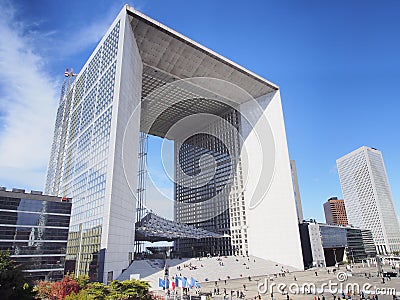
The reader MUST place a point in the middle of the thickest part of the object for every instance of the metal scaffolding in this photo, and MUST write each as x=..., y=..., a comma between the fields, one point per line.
x=141, y=185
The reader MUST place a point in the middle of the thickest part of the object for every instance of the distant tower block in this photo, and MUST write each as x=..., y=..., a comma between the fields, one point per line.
x=335, y=211
x=368, y=198
x=125, y=80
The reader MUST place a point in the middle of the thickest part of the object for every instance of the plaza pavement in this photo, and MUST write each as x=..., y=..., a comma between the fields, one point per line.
x=304, y=277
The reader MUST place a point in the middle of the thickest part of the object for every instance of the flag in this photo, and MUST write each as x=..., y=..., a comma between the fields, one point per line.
x=66, y=73
x=161, y=283
x=184, y=282
x=195, y=283
x=177, y=278
x=192, y=282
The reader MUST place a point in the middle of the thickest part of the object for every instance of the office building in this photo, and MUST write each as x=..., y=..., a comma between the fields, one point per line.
x=355, y=250
x=34, y=228
x=145, y=77
x=335, y=212
x=323, y=245
x=360, y=244
x=369, y=245
x=296, y=190
x=368, y=197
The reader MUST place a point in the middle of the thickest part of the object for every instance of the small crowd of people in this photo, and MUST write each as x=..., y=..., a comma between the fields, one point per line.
x=239, y=294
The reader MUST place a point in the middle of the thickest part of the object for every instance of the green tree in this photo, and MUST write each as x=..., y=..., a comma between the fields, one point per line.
x=129, y=290
x=83, y=280
x=82, y=295
x=13, y=284
x=97, y=291
x=70, y=289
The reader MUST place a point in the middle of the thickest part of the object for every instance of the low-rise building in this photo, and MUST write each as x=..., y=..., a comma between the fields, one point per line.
x=369, y=245
x=360, y=244
x=355, y=245
x=34, y=228
x=323, y=245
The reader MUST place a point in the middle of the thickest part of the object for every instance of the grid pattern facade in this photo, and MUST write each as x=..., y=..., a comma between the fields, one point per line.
x=368, y=197
x=355, y=250
x=35, y=229
x=79, y=158
x=368, y=241
x=209, y=207
x=335, y=212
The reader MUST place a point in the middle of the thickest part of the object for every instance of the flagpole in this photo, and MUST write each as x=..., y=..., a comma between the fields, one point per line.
x=174, y=288
x=166, y=289
x=182, y=291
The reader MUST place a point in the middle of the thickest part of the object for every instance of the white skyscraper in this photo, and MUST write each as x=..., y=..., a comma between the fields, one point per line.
x=368, y=197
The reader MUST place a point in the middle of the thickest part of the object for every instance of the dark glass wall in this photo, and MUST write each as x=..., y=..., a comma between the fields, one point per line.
x=35, y=232
x=355, y=250
x=207, y=204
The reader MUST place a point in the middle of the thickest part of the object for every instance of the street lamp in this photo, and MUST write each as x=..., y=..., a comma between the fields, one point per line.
x=334, y=253
x=352, y=256
x=258, y=292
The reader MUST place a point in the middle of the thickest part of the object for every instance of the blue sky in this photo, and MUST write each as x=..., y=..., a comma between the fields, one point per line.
x=337, y=64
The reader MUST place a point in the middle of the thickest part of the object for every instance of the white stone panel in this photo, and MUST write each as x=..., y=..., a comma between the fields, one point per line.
x=273, y=231
x=118, y=235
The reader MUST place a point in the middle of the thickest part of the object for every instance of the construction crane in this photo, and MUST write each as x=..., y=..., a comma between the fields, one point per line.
x=69, y=78
x=69, y=73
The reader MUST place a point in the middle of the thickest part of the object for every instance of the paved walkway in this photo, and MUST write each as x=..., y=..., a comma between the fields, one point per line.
x=300, y=279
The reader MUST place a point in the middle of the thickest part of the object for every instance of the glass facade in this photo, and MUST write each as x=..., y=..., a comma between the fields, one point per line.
x=368, y=241
x=34, y=228
x=333, y=237
x=218, y=205
x=79, y=158
x=355, y=250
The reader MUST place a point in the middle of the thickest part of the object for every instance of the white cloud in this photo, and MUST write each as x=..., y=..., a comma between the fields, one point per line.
x=159, y=200
x=28, y=101
x=28, y=94
x=87, y=34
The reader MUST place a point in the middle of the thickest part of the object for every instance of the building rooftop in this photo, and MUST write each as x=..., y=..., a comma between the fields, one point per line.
x=362, y=148
x=33, y=195
x=174, y=53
